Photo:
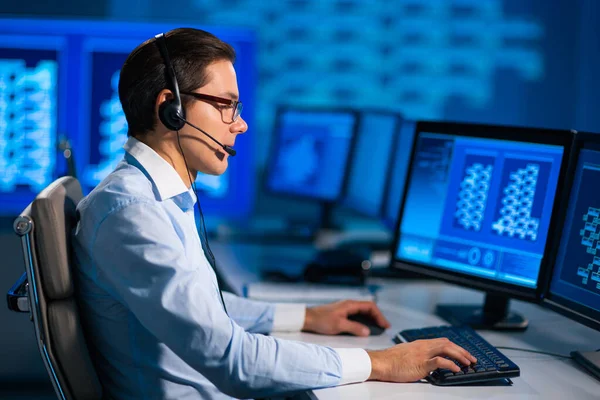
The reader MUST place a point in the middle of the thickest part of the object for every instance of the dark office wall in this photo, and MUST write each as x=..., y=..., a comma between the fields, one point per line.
x=54, y=8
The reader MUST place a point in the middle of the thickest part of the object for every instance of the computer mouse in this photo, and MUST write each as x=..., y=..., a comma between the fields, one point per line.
x=369, y=322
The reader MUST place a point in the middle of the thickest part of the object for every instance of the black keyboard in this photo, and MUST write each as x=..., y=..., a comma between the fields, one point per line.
x=491, y=364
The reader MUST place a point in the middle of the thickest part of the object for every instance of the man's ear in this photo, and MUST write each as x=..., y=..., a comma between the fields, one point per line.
x=164, y=95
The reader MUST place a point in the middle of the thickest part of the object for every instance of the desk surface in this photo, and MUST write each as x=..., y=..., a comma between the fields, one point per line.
x=410, y=305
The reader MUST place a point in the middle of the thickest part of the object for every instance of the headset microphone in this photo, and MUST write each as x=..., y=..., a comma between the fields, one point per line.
x=228, y=149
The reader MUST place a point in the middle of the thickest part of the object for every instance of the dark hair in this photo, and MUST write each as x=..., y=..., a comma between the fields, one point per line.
x=143, y=74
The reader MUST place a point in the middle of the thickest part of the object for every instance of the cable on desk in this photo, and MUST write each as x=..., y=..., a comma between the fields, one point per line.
x=533, y=351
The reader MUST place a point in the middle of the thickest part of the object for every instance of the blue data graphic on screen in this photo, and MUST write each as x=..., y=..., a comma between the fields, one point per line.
x=370, y=163
x=108, y=126
x=397, y=179
x=311, y=154
x=28, y=123
x=480, y=206
x=577, y=271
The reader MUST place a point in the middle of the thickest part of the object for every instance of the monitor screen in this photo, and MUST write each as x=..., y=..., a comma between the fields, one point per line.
x=103, y=58
x=29, y=94
x=575, y=280
x=311, y=153
x=370, y=162
x=479, y=207
x=397, y=177
x=60, y=78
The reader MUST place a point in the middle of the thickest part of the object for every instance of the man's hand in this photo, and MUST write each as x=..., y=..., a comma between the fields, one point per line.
x=409, y=362
x=331, y=319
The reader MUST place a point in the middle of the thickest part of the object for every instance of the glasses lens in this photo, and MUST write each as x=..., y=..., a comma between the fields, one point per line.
x=237, y=111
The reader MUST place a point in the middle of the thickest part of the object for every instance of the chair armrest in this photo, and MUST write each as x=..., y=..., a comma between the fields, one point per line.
x=16, y=297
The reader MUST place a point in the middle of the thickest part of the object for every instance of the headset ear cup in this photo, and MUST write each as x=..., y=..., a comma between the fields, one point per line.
x=171, y=115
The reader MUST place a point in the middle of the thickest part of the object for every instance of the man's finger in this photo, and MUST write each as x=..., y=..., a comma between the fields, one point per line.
x=444, y=347
x=440, y=362
x=354, y=328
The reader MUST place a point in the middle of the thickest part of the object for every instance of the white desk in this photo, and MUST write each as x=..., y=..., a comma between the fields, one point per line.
x=411, y=304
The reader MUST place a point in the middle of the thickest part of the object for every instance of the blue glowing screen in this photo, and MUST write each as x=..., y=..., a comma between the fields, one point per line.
x=28, y=123
x=481, y=207
x=576, y=273
x=370, y=163
x=109, y=126
x=311, y=153
x=61, y=78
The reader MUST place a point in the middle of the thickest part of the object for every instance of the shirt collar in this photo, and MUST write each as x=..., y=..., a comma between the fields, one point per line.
x=167, y=181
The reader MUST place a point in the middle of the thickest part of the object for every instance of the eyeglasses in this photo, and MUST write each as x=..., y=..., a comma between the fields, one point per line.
x=233, y=105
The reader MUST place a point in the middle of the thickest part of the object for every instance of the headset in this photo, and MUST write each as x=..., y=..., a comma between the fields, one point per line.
x=170, y=112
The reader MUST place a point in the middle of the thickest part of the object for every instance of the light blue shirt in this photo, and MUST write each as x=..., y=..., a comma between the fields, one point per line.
x=150, y=301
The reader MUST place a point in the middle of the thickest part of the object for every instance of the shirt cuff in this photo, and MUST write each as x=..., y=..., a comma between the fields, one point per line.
x=356, y=365
x=288, y=317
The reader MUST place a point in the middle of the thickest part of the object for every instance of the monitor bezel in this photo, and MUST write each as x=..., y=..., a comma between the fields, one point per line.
x=398, y=121
x=391, y=222
x=568, y=308
x=562, y=138
x=274, y=145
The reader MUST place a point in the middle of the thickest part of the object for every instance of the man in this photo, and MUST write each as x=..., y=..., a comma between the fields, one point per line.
x=157, y=323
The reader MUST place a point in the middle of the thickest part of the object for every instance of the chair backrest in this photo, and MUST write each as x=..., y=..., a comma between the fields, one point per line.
x=45, y=229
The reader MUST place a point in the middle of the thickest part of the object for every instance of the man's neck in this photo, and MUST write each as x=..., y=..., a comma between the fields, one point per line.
x=168, y=149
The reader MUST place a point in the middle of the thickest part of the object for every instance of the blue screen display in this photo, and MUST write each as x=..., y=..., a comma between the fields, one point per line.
x=370, y=163
x=61, y=77
x=480, y=207
x=311, y=153
x=576, y=273
x=397, y=179
x=108, y=125
x=28, y=123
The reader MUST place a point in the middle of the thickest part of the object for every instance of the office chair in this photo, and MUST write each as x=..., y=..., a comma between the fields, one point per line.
x=45, y=229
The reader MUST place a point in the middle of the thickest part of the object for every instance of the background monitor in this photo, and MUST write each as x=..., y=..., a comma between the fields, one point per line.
x=574, y=288
x=60, y=78
x=477, y=210
x=370, y=164
x=31, y=69
x=310, y=153
x=397, y=177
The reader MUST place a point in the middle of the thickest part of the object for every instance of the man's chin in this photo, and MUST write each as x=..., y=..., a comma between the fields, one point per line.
x=218, y=169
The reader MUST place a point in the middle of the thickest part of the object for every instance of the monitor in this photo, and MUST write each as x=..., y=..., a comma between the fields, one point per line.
x=370, y=164
x=574, y=288
x=397, y=176
x=310, y=153
x=81, y=61
x=103, y=54
x=477, y=209
x=30, y=99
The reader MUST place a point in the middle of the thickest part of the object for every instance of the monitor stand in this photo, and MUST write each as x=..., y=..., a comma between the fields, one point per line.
x=494, y=315
x=589, y=360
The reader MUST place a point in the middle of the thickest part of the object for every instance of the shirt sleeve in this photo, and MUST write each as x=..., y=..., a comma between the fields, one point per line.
x=141, y=261
x=356, y=365
x=254, y=316
x=289, y=317
x=262, y=317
